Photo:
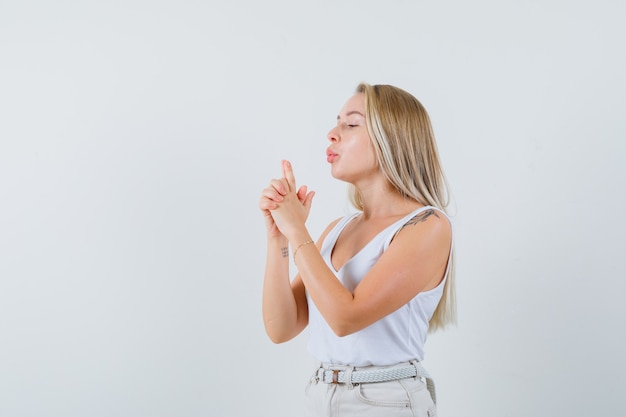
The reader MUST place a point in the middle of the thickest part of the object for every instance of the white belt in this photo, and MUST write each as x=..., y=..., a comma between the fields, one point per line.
x=339, y=376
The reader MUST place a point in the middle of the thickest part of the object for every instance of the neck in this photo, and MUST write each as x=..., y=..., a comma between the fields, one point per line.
x=382, y=201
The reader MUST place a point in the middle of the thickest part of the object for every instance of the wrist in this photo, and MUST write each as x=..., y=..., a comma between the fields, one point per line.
x=297, y=237
x=280, y=241
x=278, y=248
x=297, y=248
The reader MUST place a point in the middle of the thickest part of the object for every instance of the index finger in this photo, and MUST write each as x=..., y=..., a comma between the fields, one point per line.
x=288, y=174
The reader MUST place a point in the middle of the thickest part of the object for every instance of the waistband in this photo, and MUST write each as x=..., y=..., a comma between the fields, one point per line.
x=350, y=375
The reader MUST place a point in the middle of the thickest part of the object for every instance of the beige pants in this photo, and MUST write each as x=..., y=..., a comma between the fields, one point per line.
x=407, y=397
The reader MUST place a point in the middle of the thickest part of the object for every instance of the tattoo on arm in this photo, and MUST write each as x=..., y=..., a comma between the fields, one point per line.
x=420, y=218
x=284, y=251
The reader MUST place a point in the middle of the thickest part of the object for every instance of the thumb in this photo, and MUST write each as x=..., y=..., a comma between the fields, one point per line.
x=302, y=193
x=309, y=199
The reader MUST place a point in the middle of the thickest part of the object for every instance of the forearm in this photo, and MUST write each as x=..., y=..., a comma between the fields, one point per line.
x=280, y=309
x=331, y=298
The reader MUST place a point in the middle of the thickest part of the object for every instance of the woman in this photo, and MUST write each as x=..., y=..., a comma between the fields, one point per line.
x=377, y=281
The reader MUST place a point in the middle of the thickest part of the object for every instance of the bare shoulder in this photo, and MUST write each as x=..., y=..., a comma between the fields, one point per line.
x=430, y=225
x=433, y=216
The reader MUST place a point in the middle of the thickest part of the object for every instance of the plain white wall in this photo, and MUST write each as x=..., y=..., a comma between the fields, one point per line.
x=135, y=137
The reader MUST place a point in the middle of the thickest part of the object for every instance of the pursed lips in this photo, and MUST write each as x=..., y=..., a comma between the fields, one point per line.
x=330, y=155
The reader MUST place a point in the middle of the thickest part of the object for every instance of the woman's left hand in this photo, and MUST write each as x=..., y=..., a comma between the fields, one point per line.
x=291, y=213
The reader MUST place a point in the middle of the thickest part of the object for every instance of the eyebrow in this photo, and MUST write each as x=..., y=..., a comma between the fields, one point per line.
x=350, y=113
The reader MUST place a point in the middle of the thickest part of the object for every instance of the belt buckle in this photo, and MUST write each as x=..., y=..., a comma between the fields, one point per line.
x=335, y=376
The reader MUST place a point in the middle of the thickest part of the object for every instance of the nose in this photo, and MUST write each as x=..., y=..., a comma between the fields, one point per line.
x=333, y=135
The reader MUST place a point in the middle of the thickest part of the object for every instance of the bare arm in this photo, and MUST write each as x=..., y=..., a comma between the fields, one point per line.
x=415, y=261
x=285, y=310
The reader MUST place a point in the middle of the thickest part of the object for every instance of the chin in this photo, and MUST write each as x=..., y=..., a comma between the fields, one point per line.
x=339, y=176
x=335, y=173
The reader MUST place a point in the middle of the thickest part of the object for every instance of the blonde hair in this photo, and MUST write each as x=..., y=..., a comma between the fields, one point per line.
x=405, y=148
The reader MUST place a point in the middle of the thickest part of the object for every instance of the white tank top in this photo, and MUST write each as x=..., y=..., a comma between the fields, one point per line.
x=398, y=337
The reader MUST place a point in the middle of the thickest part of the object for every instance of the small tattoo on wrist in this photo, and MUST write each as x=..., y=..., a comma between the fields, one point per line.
x=284, y=251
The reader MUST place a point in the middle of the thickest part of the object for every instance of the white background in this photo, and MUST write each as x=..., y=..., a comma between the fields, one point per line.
x=135, y=137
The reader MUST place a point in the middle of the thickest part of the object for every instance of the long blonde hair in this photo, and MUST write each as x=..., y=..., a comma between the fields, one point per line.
x=405, y=147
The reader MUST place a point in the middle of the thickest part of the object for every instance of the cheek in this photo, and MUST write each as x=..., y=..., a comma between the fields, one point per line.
x=371, y=156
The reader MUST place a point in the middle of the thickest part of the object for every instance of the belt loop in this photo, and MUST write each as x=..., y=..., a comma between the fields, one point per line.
x=316, y=376
x=418, y=370
x=348, y=376
x=430, y=383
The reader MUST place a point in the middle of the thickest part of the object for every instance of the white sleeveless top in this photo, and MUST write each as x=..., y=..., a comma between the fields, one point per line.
x=398, y=337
